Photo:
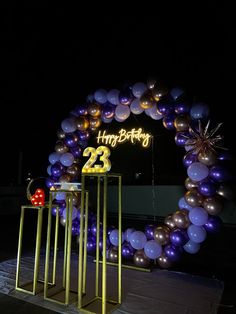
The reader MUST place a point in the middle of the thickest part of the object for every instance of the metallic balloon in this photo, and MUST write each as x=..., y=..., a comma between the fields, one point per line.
x=213, y=224
x=151, y=83
x=189, y=184
x=208, y=158
x=61, y=134
x=65, y=178
x=225, y=191
x=140, y=259
x=61, y=147
x=82, y=123
x=169, y=221
x=168, y=121
x=147, y=100
x=180, y=218
x=94, y=110
x=194, y=198
x=162, y=235
x=163, y=261
x=95, y=123
x=159, y=91
x=112, y=254
x=73, y=170
x=213, y=205
x=181, y=123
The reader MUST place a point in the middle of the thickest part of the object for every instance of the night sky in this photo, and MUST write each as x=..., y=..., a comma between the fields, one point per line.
x=52, y=58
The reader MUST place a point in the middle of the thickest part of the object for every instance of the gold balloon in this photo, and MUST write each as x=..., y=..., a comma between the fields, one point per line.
x=61, y=148
x=147, y=100
x=207, y=157
x=95, y=123
x=140, y=259
x=169, y=221
x=65, y=178
x=189, y=184
x=159, y=91
x=151, y=83
x=194, y=198
x=94, y=110
x=213, y=205
x=82, y=123
x=162, y=235
x=163, y=261
x=61, y=134
x=113, y=254
x=225, y=191
x=181, y=122
x=73, y=170
x=180, y=218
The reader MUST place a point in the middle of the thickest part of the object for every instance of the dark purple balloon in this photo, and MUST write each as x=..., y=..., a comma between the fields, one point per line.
x=165, y=108
x=213, y=224
x=83, y=135
x=225, y=155
x=168, y=121
x=181, y=138
x=81, y=110
x=71, y=140
x=149, y=231
x=93, y=229
x=207, y=188
x=108, y=111
x=101, y=244
x=218, y=174
x=173, y=252
x=76, y=151
x=57, y=169
x=188, y=159
x=91, y=245
x=127, y=251
x=50, y=182
x=126, y=96
x=75, y=227
x=182, y=107
x=83, y=143
x=179, y=237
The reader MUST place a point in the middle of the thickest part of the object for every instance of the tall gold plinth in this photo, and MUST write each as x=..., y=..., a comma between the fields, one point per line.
x=63, y=294
x=36, y=285
x=100, y=299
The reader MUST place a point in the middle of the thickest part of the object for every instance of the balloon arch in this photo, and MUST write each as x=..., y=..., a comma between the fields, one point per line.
x=185, y=229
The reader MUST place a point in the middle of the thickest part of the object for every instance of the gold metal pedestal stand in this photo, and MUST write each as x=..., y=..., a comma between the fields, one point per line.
x=102, y=300
x=36, y=285
x=64, y=293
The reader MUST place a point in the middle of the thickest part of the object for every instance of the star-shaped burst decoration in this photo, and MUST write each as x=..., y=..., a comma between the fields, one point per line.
x=203, y=139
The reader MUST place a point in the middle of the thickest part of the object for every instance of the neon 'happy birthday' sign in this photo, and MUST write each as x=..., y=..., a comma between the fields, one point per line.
x=135, y=135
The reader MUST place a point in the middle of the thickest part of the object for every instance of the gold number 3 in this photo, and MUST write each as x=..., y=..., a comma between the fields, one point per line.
x=103, y=152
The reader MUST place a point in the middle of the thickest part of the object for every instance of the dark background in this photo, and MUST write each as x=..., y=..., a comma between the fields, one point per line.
x=53, y=57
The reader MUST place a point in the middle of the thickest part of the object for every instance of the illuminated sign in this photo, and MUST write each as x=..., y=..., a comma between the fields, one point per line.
x=135, y=135
x=103, y=152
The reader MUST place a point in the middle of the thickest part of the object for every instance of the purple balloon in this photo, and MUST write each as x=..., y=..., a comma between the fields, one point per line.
x=54, y=157
x=164, y=108
x=184, y=205
x=114, y=237
x=152, y=249
x=168, y=121
x=68, y=125
x=173, y=252
x=75, y=227
x=108, y=111
x=82, y=110
x=213, y=224
x=179, y=237
x=207, y=188
x=127, y=251
x=149, y=231
x=176, y=92
x=126, y=97
x=71, y=140
x=138, y=240
x=76, y=151
x=57, y=169
x=182, y=107
x=198, y=216
x=225, y=155
x=219, y=174
x=91, y=245
x=50, y=182
x=181, y=138
x=128, y=233
x=192, y=247
x=199, y=111
x=196, y=233
x=83, y=136
x=93, y=229
x=188, y=159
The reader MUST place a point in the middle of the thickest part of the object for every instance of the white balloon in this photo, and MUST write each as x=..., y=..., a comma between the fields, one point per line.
x=122, y=112
x=138, y=89
x=100, y=96
x=113, y=96
x=153, y=113
x=135, y=107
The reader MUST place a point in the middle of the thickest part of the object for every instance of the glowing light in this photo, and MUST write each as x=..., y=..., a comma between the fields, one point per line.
x=135, y=135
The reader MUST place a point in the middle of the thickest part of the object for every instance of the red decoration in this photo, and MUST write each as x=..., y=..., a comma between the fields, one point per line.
x=38, y=198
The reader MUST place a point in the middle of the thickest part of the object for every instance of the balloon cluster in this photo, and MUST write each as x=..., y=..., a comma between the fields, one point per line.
x=204, y=159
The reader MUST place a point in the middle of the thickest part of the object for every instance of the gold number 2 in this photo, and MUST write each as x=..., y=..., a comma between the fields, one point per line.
x=104, y=153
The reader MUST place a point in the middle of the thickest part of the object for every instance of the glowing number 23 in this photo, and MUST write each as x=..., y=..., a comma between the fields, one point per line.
x=89, y=165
